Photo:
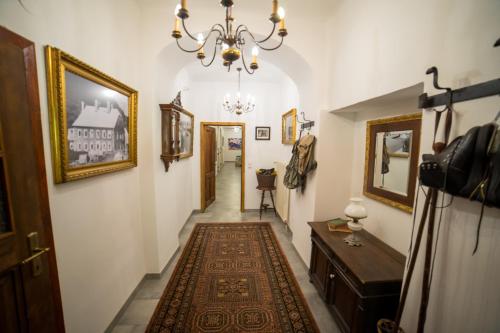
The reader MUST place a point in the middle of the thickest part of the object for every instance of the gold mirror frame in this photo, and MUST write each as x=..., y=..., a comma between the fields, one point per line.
x=292, y=113
x=405, y=122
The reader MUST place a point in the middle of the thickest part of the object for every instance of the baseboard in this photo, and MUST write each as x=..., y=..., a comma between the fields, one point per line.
x=152, y=276
x=129, y=300
x=147, y=276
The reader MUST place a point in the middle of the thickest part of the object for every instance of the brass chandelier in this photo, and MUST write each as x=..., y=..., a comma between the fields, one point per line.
x=238, y=107
x=229, y=41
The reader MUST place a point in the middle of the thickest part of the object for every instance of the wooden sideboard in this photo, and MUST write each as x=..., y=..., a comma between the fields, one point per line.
x=360, y=285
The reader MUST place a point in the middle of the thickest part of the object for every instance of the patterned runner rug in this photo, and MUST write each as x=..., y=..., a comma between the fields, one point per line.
x=232, y=277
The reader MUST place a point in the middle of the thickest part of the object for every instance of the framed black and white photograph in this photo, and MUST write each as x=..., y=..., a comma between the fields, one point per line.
x=93, y=119
x=262, y=133
x=186, y=131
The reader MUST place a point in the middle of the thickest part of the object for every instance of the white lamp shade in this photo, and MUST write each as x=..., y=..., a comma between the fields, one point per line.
x=355, y=209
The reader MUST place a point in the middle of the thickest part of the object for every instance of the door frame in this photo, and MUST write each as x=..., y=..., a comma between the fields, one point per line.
x=204, y=124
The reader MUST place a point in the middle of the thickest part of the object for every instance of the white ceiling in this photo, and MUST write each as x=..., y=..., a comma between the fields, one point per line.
x=313, y=8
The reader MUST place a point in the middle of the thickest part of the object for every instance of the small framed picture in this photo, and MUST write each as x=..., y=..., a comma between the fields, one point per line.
x=262, y=133
x=234, y=143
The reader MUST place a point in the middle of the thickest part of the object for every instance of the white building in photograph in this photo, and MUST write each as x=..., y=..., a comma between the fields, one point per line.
x=97, y=134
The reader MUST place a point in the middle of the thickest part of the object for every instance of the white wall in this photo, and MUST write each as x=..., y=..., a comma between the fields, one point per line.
x=230, y=155
x=379, y=47
x=96, y=222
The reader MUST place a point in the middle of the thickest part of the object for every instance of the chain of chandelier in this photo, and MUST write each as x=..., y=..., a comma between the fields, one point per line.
x=231, y=42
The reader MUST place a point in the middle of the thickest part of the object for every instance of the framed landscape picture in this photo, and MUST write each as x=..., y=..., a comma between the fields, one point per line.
x=234, y=143
x=262, y=133
x=186, y=131
x=93, y=119
x=289, y=127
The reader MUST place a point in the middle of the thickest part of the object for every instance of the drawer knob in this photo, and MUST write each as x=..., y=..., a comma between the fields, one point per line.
x=332, y=276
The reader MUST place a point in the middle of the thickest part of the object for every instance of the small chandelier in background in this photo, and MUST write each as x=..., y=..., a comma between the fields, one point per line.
x=230, y=41
x=238, y=107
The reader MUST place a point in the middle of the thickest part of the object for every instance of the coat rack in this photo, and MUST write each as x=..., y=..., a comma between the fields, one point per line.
x=305, y=124
x=485, y=89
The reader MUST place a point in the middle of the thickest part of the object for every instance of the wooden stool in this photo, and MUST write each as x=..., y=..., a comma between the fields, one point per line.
x=262, y=206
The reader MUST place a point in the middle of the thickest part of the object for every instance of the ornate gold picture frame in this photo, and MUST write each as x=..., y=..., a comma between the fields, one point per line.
x=289, y=127
x=93, y=119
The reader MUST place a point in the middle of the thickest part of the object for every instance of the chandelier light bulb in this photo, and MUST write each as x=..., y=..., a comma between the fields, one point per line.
x=281, y=13
x=177, y=9
x=200, y=39
x=255, y=51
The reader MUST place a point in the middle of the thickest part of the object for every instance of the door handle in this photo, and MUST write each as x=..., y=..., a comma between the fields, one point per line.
x=37, y=253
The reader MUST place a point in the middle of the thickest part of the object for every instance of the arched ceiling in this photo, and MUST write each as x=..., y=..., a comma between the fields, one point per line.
x=267, y=72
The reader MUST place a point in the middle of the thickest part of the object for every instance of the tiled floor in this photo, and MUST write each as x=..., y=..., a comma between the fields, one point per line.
x=225, y=209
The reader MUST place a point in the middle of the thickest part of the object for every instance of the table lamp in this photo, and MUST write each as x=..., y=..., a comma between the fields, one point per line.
x=356, y=212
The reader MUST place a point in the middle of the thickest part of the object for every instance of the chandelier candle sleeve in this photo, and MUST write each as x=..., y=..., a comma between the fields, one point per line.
x=282, y=24
x=275, y=7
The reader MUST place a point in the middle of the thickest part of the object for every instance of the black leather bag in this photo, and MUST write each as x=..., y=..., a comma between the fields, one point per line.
x=449, y=169
x=468, y=167
x=479, y=174
x=493, y=193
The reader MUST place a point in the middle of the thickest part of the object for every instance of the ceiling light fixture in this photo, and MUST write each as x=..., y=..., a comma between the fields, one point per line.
x=238, y=107
x=231, y=42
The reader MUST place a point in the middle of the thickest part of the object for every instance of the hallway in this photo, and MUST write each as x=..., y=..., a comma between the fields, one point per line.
x=227, y=190
x=137, y=312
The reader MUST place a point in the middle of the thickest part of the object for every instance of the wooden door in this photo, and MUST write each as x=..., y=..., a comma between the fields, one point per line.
x=209, y=165
x=29, y=288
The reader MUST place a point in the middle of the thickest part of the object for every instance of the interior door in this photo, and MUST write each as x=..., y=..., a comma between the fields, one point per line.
x=30, y=300
x=209, y=172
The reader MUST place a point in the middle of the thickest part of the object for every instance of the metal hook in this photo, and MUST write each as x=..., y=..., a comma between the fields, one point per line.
x=434, y=71
x=304, y=117
x=297, y=118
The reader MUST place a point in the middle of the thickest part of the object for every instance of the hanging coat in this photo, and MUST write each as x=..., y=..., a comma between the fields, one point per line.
x=301, y=163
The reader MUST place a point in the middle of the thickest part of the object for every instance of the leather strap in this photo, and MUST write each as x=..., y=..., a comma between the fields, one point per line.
x=439, y=146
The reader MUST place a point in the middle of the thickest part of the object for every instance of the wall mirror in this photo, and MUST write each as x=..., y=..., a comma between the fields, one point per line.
x=391, y=160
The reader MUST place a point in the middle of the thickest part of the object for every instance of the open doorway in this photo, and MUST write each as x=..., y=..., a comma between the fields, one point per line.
x=222, y=165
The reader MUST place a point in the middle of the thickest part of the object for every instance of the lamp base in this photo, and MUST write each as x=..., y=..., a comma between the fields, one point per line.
x=352, y=240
